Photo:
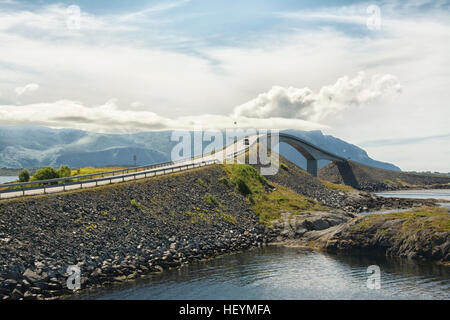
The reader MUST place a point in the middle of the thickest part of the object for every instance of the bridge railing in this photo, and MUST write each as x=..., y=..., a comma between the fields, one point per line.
x=22, y=187
x=237, y=153
x=109, y=176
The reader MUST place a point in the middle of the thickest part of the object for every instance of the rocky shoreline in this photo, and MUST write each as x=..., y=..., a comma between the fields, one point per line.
x=127, y=231
x=332, y=230
x=421, y=234
x=345, y=199
x=383, y=187
x=371, y=179
x=46, y=280
x=122, y=232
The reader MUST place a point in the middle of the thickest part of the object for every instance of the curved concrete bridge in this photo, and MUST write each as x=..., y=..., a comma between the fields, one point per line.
x=311, y=152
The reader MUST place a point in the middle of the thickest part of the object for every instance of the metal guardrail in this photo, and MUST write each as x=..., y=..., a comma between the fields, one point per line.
x=113, y=172
x=146, y=171
x=237, y=153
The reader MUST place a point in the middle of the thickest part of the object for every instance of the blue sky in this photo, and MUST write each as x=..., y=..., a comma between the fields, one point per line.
x=218, y=22
x=151, y=65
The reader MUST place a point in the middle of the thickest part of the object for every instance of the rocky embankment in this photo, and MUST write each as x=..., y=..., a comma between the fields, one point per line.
x=295, y=226
x=422, y=234
x=419, y=234
x=338, y=197
x=371, y=179
x=120, y=232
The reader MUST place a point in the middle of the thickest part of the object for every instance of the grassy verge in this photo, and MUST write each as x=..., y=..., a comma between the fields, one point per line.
x=432, y=218
x=246, y=179
x=90, y=170
x=422, y=218
x=79, y=172
x=268, y=201
x=334, y=186
x=269, y=206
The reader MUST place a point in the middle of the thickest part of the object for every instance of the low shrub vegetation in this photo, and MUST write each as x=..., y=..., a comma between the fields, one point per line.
x=91, y=170
x=202, y=182
x=64, y=171
x=24, y=175
x=135, y=204
x=421, y=218
x=243, y=187
x=246, y=178
x=229, y=218
x=198, y=216
x=270, y=206
x=434, y=219
x=211, y=199
x=224, y=180
x=45, y=173
x=266, y=203
x=335, y=186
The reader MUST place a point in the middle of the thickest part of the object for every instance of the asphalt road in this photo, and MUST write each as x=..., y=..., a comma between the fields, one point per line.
x=220, y=156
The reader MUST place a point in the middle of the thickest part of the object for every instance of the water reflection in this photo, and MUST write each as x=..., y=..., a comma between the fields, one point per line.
x=289, y=273
x=444, y=205
x=8, y=179
x=439, y=194
x=443, y=194
x=385, y=211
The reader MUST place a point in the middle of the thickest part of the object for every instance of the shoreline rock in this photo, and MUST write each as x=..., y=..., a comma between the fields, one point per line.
x=113, y=239
x=421, y=234
x=344, y=199
x=122, y=232
x=365, y=178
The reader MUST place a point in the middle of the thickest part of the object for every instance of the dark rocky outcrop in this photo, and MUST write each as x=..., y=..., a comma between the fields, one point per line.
x=119, y=232
x=295, y=226
x=346, y=199
x=422, y=234
x=367, y=178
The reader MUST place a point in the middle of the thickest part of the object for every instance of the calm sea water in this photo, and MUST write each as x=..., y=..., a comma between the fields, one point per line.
x=289, y=273
x=439, y=194
x=5, y=179
x=443, y=194
x=293, y=273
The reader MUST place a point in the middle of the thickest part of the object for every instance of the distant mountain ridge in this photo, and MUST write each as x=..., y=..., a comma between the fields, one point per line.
x=36, y=146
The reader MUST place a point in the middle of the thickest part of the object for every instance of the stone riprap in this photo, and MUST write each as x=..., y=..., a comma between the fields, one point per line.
x=371, y=179
x=351, y=201
x=120, y=232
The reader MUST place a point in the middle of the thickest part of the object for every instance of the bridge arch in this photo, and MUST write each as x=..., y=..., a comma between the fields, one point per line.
x=311, y=152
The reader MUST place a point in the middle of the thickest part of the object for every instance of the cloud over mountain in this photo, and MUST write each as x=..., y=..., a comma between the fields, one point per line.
x=279, y=108
x=308, y=105
x=109, y=117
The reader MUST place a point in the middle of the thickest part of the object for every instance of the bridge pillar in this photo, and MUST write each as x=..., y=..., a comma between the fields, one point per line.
x=311, y=167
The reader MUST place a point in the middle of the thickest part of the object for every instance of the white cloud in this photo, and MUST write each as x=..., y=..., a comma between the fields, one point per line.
x=305, y=104
x=27, y=89
x=109, y=117
x=106, y=58
x=53, y=19
x=152, y=9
